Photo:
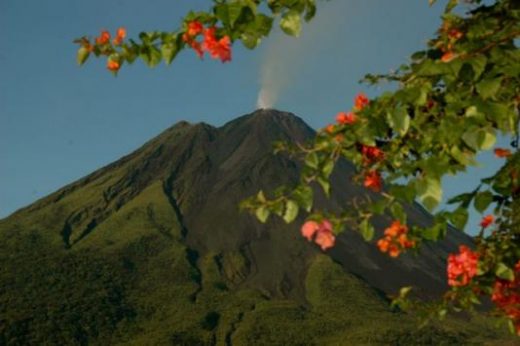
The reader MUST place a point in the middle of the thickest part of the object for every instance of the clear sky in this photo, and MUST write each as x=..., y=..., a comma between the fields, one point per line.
x=59, y=122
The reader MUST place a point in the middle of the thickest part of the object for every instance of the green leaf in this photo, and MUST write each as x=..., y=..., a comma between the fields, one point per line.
x=435, y=232
x=312, y=160
x=504, y=272
x=150, y=55
x=429, y=191
x=478, y=64
x=483, y=200
x=479, y=138
x=262, y=214
x=366, y=229
x=291, y=23
x=489, y=87
x=310, y=10
x=83, y=54
x=459, y=218
x=325, y=185
x=234, y=12
x=399, y=120
x=260, y=196
x=327, y=168
x=303, y=195
x=291, y=211
x=169, y=51
x=398, y=212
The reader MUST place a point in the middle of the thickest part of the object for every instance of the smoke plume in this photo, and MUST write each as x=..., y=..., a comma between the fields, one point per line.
x=286, y=57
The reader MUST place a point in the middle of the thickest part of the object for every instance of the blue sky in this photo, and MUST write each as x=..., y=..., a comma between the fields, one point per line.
x=59, y=122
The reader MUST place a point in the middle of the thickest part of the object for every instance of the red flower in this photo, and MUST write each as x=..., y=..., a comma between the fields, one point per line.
x=501, y=152
x=104, y=38
x=218, y=49
x=373, y=181
x=346, y=118
x=120, y=36
x=506, y=296
x=113, y=65
x=486, y=221
x=322, y=232
x=371, y=154
x=462, y=266
x=194, y=28
x=360, y=102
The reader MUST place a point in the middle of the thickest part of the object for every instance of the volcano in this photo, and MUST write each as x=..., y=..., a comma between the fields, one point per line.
x=152, y=249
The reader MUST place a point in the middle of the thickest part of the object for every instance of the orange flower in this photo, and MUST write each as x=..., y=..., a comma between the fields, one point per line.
x=395, y=239
x=448, y=56
x=330, y=129
x=373, y=181
x=346, y=118
x=383, y=244
x=113, y=65
x=360, y=102
x=462, y=267
x=486, y=221
x=501, y=152
x=120, y=36
x=104, y=38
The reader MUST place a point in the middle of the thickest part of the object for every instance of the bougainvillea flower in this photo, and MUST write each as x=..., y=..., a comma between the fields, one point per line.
x=113, y=65
x=506, y=296
x=371, y=154
x=455, y=34
x=194, y=28
x=361, y=101
x=120, y=36
x=325, y=239
x=373, y=181
x=217, y=49
x=322, y=233
x=501, y=152
x=487, y=220
x=346, y=118
x=462, y=267
x=448, y=56
x=330, y=128
x=104, y=38
x=309, y=228
x=395, y=239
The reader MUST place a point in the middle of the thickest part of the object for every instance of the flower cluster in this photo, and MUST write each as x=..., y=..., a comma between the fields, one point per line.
x=218, y=48
x=506, y=296
x=321, y=232
x=452, y=36
x=395, y=239
x=371, y=154
x=462, y=267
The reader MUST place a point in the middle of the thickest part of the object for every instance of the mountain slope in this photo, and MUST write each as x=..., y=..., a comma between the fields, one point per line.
x=153, y=250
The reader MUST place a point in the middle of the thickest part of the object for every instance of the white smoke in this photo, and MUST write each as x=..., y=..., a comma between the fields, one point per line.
x=286, y=57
